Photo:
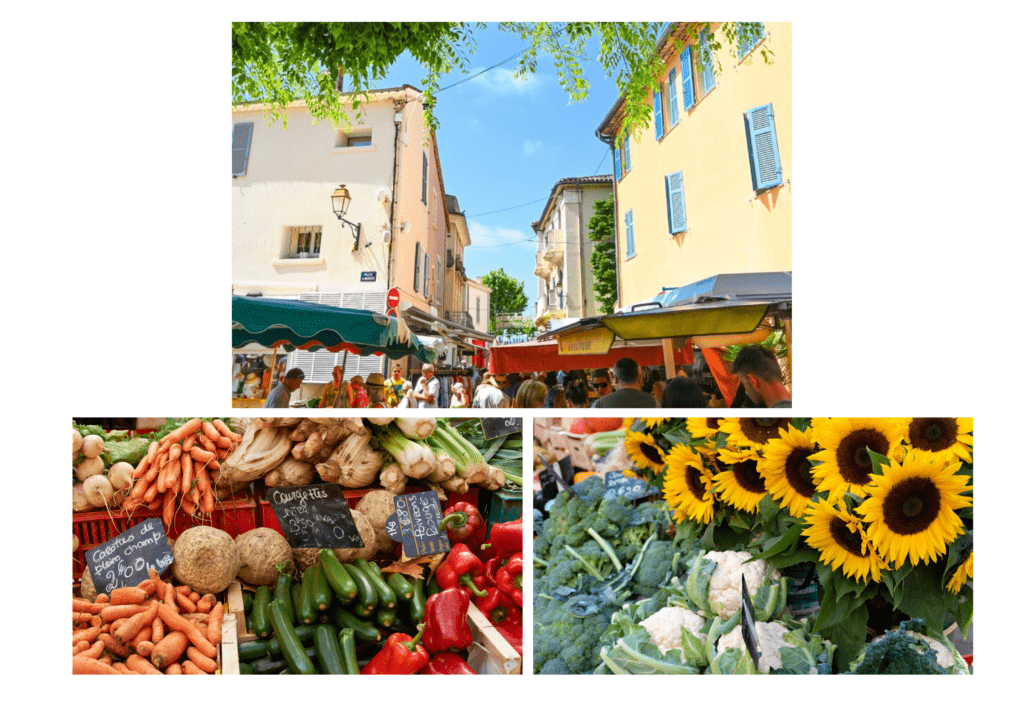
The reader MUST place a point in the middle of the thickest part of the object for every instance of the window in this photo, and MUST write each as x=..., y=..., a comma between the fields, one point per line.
x=241, y=138
x=706, y=76
x=355, y=141
x=686, y=68
x=416, y=271
x=437, y=280
x=630, y=247
x=478, y=310
x=356, y=137
x=763, y=148
x=615, y=162
x=625, y=153
x=675, y=202
x=659, y=122
x=426, y=275
x=423, y=195
x=673, y=106
x=304, y=242
x=744, y=46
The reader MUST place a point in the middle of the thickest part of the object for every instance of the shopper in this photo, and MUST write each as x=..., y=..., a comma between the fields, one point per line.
x=761, y=377
x=281, y=395
x=576, y=394
x=375, y=391
x=531, y=394
x=683, y=392
x=601, y=380
x=330, y=390
x=359, y=396
x=393, y=386
x=459, y=396
x=627, y=387
x=405, y=400
x=427, y=388
x=554, y=386
x=488, y=395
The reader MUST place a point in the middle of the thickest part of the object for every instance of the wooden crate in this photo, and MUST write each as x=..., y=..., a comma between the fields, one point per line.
x=235, y=606
x=497, y=655
x=227, y=655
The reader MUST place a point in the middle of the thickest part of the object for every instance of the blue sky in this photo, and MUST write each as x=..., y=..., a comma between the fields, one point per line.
x=504, y=142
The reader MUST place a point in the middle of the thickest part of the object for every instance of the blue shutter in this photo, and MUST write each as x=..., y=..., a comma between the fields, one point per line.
x=708, y=69
x=676, y=203
x=241, y=138
x=686, y=68
x=424, y=192
x=763, y=148
x=673, y=105
x=659, y=121
x=630, y=248
x=744, y=47
x=625, y=153
x=615, y=155
x=416, y=272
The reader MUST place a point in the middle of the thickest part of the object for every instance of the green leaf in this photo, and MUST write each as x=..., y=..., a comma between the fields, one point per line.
x=924, y=597
x=849, y=636
x=877, y=461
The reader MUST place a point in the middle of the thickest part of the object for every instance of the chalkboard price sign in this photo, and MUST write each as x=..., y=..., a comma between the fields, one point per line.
x=415, y=524
x=126, y=559
x=498, y=426
x=315, y=516
x=548, y=479
x=629, y=488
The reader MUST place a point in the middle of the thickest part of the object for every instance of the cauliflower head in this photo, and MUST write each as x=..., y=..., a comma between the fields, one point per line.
x=724, y=596
x=665, y=627
x=769, y=640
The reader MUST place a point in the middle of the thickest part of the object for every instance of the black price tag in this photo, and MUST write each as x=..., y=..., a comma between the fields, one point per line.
x=126, y=559
x=561, y=479
x=315, y=516
x=415, y=522
x=747, y=622
x=498, y=426
x=628, y=488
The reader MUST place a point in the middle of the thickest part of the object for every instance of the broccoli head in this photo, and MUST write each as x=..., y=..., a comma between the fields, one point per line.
x=571, y=640
x=656, y=568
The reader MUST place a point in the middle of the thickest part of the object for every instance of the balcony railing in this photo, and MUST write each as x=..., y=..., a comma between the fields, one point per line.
x=463, y=318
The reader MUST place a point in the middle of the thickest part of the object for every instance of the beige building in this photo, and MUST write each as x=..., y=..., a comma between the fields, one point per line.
x=565, y=280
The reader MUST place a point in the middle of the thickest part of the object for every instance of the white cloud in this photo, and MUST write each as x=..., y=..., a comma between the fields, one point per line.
x=502, y=81
x=532, y=147
x=484, y=236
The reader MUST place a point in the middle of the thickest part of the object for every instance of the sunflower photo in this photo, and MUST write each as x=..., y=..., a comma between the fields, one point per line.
x=849, y=541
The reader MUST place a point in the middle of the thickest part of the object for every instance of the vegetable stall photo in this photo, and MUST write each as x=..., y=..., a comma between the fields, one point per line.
x=286, y=545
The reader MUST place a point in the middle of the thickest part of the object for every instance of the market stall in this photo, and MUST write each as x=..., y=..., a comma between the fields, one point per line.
x=553, y=356
x=754, y=545
x=317, y=545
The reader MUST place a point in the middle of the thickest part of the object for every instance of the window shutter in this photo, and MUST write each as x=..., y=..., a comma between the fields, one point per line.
x=426, y=274
x=659, y=122
x=675, y=202
x=241, y=137
x=416, y=272
x=625, y=153
x=615, y=162
x=708, y=62
x=744, y=47
x=438, y=280
x=424, y=192
x=673, y=103
x=763, y=148
x=630, y=248
x=686, y=68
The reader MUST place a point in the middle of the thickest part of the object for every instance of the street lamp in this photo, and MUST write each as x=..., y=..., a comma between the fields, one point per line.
x=340, y=200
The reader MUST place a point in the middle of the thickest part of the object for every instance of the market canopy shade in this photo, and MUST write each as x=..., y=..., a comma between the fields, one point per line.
x=293, y=325
x=544, y=357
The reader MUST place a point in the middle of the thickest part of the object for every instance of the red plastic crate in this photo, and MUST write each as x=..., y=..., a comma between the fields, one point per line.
x=234, y=515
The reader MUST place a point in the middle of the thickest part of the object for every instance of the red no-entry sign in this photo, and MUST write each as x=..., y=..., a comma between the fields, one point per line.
x=393, y=297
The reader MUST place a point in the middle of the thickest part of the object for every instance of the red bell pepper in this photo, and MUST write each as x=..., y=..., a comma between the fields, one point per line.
x=461, y=569
x=510, y=578
x=491, y=570
x=496, y=605
x=448, y=663
x=506, y=538
x=401, y=654
x=464, y=525
x=447, y=624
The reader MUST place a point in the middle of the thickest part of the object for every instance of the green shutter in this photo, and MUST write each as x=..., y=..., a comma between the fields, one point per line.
x=416, y=272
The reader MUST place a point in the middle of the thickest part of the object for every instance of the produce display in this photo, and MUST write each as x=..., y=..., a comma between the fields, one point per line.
x=849, y=539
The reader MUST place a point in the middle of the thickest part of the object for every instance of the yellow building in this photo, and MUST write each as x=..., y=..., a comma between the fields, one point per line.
x=705, y=189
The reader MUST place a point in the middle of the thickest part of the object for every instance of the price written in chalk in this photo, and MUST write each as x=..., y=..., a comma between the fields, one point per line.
x=415, y=522
x=499, y=426
x=315, y=516
x=629, y=488
x=126, y=559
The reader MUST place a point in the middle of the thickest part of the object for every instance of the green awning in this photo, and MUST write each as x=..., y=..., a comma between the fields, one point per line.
x=697, y=320
x=312, y=327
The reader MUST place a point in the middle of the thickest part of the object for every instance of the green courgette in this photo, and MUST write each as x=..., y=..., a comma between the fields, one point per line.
x=347, y=641
x=433, y=588
x=283, y=595
x=418, y=602
x=246, y=602
x=337, y=577
x=305, y=612
x=386, y=598
x=291, y=646
x=328, y=650
x=400, y=585
x=305, y=634
x=367, y=599
x=276, y=666
x=322, y=594
x=244, y=669
x=252, y=650
x=363, y=630
x=385, y=617
x=261, y=613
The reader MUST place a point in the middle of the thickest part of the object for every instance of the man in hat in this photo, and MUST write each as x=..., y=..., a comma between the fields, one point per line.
x=375, y=390
x=488, y=393
x=281, y=395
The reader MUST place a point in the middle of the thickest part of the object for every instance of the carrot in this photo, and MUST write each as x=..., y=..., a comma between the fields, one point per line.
x=226, y=431
x=211, y=432
x=94, y=651
x=223, y=454
x=203, y=483
x=173, y=669
x=185, y=603
x=177, y=623
x=127, y=594
x=161, y=478
x=206, y=603
x=145, y=648
x=156, y=504
x=216, y=621
x=168, y=516
x=169, y=598
x=146, y=634
x=203, y=456
x=119, y=665
x=190, y=669
x=187, y=471
x=154, y=490
x=106, y=659
x=111, y=645
x=173, y=453
x=194, y=596
x=80, y=646
x=188, y=506
x=80, y=604
x=174, y=476
x=85, y=665
x=148, y=587
x=203, y=662
x=188, y=443
x=112, y=613
x=89, y=635
x=184, y=588
x=207, y=504
x=136, y=623
x=102, y=598
x=139, y=665
x=196, y=618
x=158, y=630
x=170, y=649
x=80, y=617
x=206, y=443
x=182, y=432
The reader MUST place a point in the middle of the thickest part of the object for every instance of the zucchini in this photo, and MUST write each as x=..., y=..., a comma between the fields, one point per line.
x=305, y=612
x=246, y=602
x=337, y=577
x=367, y=600
x=283, y=595
x=328, y=650
x=276, y=666
x=400, y=585
x=291, y=647
x=433, y=587
x=347, y=642
x=305, y=634
x=297, y=599
x=363, y=630
x=418, y=602
x=261, y=613
x=251, y=650
x=244, y=669
x=386, y=617
x=321, y=595
x=386, y=598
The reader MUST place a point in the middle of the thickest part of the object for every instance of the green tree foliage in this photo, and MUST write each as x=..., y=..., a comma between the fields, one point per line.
x=601, y=230
x=507, y=295
x=277, y=63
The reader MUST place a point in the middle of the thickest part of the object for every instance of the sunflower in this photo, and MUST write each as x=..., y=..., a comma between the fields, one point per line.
x=787, y=470
x=948, y=437
x=741, y=485
x=702, y=426
x=911, y=508
x=839, y=536
x=653, y=422
x=845, y=463
x=960, y=576
x=688, y=486
x=644, y=451
x=752, y=431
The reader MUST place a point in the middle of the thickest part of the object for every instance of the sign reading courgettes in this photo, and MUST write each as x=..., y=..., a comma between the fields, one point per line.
x=315, y=516
x=415, y=523
x=126, y=559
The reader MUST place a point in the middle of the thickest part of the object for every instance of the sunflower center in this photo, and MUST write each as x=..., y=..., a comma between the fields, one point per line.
x=695, y=483
x=933, y=433
x=852, y=455
x=911, y=505
x=652, y=453
x=849, y=540
x=748, y=477
x=711, y=422
x=762, y=429
x=798, y=471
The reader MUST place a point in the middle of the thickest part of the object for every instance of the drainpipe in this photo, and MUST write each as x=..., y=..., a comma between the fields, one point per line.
x=610, y=140
x=394, y=192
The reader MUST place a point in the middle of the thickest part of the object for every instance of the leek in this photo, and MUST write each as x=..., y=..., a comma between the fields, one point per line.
x=415, y=460
x=469, y=463
x=416, y=428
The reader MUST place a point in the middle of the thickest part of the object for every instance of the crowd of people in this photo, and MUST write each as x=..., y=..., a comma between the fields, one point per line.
x=624, y=385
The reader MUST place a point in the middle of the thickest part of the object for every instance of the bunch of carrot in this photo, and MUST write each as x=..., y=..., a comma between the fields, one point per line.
x=181, y=468
x=152, y=628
